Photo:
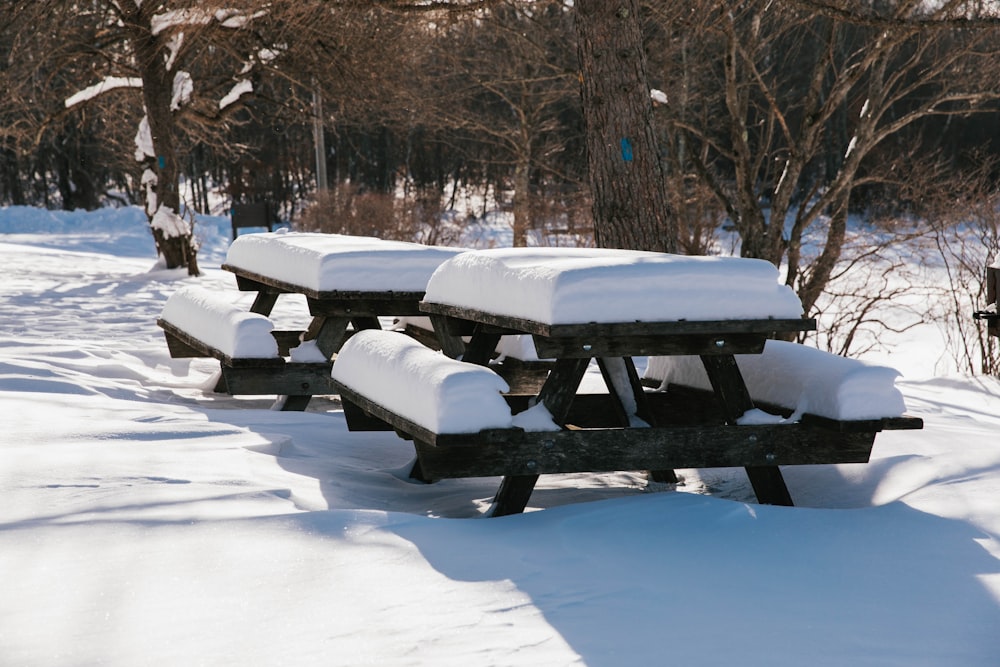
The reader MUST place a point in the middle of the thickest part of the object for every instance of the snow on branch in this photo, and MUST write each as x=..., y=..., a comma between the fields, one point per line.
x=227, y=18
x=109, y=83
x=241, y=88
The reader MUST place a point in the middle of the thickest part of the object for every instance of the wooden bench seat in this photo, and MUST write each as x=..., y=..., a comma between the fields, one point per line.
x=197, y=323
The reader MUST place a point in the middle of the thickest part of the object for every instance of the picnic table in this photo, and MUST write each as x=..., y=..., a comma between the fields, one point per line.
x=349, y=282
x=580, y=305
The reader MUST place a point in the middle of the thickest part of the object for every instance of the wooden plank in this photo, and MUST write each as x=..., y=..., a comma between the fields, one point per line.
x=624, y=346
x=185, y=343
x=359, y=420
x=253, y=281
x=303, y=379
x=767, y=326
x=366, y=304
x=516, y=453
x=378, y=411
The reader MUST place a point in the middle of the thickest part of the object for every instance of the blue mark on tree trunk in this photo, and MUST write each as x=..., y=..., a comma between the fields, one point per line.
x=626, y=149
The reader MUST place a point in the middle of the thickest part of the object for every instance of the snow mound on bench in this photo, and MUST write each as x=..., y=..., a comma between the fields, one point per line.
x=800, y=378
x=579, y=285
x=218, y=323
x=441, y=394
x=337, y=262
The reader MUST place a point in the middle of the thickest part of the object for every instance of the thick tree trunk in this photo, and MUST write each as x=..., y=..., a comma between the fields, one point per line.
x=631, y=208
x=176, y=246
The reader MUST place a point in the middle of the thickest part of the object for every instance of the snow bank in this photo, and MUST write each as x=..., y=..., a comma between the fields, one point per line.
x=575, y=285
x=216, y=322
x=799, y=378
x=424, y=386
x=328, y=262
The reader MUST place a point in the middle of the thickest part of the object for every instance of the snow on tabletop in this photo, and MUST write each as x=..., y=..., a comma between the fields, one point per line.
x=422, y=385
x=215, y=321
x=800, y=378
x=577, y=285
x=329, y=262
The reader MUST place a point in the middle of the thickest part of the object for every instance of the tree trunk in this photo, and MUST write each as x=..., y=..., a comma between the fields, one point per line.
x=176, y=246
x=631, y=208
x=522, y=200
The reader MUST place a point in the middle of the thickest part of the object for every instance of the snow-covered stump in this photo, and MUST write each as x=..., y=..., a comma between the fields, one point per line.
x=199, y=323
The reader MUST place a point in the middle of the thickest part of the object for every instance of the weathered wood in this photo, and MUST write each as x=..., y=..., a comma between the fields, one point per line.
x=378, y=411
x=481, y=347
x=365, y=304
x=287, y=340
x=250, y=377
x=356, y=417
x=264, y=302
x=186, y=345
x=293, y=403
x=611, y=368
x=329, y=333
x=451, y=345
x=295, y=379
x=515, y=453
x=557, y=396
x=508, y=324
x=728, y=384
x=251, y=281
x=619, y=346
x=523, y=377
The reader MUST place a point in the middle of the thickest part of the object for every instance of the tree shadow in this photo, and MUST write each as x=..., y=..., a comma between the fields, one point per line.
x=700, y=581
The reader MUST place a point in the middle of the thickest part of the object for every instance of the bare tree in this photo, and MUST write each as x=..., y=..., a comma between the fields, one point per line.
x=188, y=65
x=798, y=84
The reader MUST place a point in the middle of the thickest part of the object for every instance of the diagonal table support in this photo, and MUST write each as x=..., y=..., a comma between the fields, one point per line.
x=623, y=369
x=727, y=381
x=557, y=395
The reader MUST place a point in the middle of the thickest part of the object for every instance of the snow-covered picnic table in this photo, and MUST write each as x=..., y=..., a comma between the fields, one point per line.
x=348, y=282
x=580, y=305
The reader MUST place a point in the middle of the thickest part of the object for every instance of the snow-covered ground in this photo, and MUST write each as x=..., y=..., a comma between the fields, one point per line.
x=147, y=521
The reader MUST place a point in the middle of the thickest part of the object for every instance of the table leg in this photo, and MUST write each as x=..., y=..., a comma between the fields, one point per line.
x=451, y=345
x=264, y=302
x=328, y=332
x=557, y=395
x=366, y=322
x=481, y=347
x=729, y=387
x=622, y=380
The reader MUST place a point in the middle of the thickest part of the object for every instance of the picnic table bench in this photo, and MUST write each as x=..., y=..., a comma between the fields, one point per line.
x=559, y=430
x=348, y=283
x=199, y=323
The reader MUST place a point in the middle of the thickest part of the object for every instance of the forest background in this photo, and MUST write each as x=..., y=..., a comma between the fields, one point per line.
x=779, y=121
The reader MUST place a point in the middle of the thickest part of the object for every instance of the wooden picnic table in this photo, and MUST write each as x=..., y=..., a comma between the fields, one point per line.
x=348, y=282
x=584, y=305
x=613, y=346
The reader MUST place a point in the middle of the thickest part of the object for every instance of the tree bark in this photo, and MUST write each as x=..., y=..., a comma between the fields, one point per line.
x=157, y=90
x=631, y=208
